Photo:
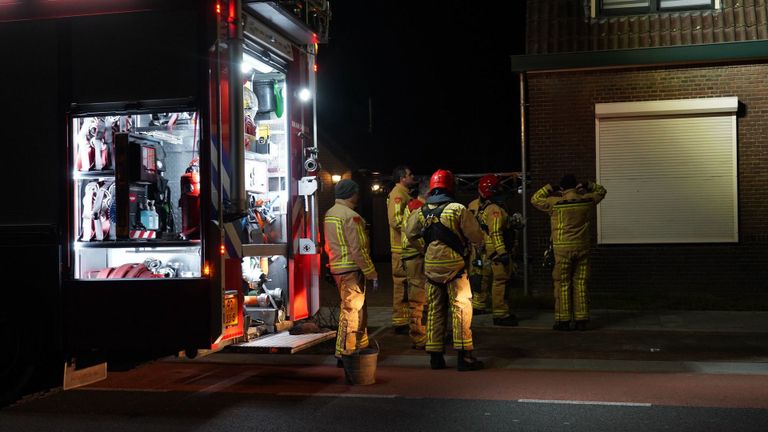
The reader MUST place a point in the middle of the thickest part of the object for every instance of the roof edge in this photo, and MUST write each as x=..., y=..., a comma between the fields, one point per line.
x=726, y=52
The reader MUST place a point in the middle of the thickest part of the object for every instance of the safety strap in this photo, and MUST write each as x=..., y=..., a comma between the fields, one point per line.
x=435, y=230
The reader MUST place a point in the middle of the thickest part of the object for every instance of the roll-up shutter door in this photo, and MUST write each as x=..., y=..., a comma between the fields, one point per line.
x=670, y=169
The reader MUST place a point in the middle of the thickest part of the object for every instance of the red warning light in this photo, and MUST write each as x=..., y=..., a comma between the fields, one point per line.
x=218, y=8
x=314, y=68
x=314, y=38
x=222, y=250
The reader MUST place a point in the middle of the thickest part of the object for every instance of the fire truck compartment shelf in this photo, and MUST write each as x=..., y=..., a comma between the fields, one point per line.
x=94, y=175
x=264, y=249
x=282, y=343
x=138, y=244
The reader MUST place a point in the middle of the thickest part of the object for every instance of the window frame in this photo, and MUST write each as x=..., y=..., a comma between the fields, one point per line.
x=662, y=110
x=654, y=7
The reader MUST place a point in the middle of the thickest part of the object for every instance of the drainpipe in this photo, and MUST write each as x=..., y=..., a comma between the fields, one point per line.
x=524, y=178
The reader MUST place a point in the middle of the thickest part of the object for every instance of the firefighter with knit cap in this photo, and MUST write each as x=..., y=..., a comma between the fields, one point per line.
x=348, y=249
x=448, y=229
x=570, y=212
x=413, y=259
x=397, y=201
x=498, y=231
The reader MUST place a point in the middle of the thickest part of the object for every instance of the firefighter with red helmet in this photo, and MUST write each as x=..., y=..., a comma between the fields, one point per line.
x=496, y=253
x=448, y=229
x=347, y=246
x=570, y=212
x=396, y=205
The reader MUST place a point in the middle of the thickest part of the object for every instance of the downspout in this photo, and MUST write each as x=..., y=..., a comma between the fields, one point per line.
x=524, y=178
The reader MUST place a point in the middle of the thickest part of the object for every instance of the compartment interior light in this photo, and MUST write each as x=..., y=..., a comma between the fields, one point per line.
x=305, y=95
x=250, y=63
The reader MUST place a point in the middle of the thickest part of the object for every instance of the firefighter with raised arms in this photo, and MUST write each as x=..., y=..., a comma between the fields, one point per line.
x=448, y=228
x=570, y=212
x=348, y=249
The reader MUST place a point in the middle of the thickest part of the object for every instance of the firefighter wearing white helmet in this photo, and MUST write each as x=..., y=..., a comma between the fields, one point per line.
x=448, y=228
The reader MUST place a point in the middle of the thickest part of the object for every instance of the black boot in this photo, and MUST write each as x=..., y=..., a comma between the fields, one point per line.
x=562, y=326
x=508, y=321
x=339, y=363
x=466, y=362
x=436, y=360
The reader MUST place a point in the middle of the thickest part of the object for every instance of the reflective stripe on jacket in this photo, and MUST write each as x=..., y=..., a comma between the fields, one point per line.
x=441, y=263
x=397, y=205
x=569, y=214
x=346, y=240
x=497, y=220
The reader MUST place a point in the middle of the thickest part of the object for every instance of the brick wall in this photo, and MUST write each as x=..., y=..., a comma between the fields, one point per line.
x=562, y=139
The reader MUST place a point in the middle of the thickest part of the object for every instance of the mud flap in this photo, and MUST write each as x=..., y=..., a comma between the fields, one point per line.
x=74, y=378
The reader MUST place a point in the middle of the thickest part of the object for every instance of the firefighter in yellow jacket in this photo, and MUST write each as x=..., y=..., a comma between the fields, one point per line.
x=570, y=212
x=479, y=270
x=447, y=228
x=396, y=205
x=413, y=260
x=496, y=224
x=347, y=246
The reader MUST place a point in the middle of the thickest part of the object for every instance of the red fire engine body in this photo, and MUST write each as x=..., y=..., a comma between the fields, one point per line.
x=160, y=183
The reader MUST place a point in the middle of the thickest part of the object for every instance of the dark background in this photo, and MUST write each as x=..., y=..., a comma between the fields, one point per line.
x=437, y=74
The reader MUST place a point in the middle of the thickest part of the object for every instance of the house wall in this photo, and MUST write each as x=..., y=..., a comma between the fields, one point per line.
x=561, y=122
x=556, y=26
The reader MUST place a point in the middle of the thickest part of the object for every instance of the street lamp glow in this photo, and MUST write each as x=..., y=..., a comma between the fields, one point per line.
x=335, y=178
x=375, y=187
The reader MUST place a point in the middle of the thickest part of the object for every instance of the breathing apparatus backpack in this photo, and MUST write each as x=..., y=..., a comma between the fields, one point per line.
x=435, y=230
x=508, y=233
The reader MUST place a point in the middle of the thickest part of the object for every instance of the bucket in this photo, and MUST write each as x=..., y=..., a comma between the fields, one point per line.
x=360, y=368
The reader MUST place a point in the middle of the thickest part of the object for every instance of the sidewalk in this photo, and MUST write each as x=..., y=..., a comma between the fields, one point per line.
x=712, y=342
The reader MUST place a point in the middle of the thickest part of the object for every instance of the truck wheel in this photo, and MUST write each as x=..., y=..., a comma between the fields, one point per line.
x=190, y=353
x=16, y=367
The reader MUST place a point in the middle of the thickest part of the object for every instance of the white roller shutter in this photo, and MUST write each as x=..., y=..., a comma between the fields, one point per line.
x=670, y=169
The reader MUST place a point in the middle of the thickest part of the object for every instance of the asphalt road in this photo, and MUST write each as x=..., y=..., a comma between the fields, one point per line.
x=217, y=396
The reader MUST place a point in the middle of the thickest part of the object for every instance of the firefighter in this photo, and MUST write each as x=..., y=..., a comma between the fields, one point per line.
x=479, y=270
x=413, y=260
x=497, y=226
x=570, y=212
x=396, y=204
x=447, y=228
x=347, y=246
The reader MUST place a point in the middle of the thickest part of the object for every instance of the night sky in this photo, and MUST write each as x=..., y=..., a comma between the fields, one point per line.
x=439, y=80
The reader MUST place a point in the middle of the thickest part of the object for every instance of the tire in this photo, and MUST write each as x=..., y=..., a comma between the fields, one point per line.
x=16, y=365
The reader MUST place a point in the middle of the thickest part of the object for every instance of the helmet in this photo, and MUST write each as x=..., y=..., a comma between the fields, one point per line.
x=441, y=179
x=488, y=186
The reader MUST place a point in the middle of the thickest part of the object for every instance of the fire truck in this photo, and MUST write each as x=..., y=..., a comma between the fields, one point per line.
x=160, y=167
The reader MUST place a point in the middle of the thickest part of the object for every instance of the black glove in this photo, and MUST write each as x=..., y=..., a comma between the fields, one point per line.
x=502, y=259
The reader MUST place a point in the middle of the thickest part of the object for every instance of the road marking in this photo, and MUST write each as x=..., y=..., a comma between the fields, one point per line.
x=342, y=395
x=123, y=389
x=576, y=402
x=215, y=388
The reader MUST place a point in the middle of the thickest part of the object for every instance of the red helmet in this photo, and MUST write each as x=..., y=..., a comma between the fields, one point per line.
x=441, y=179
x=488, y=185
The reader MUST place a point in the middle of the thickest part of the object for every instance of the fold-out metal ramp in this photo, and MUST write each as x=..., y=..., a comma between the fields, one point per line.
x=282, y=343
